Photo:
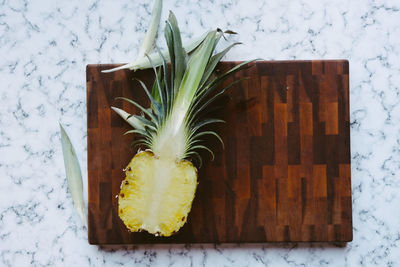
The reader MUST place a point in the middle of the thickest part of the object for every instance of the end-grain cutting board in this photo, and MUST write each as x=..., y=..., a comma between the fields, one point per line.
x=284, y=174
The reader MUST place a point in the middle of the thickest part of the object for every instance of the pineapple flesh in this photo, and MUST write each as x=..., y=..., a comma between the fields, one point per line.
x=157, y=194
x=160, y=184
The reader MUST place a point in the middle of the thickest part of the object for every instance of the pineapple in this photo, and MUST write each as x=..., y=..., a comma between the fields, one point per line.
x=157, y=194
x=160, y=184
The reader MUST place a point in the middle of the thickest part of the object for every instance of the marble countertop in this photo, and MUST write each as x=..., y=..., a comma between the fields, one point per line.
x=44, y=48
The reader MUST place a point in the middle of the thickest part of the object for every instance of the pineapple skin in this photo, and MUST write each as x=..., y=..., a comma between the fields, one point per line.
x=157, y=194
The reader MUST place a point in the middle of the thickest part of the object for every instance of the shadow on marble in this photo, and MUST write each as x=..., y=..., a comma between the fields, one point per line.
x=228, y=246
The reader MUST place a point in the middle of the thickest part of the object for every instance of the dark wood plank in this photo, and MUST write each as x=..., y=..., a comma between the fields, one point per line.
x=283, y=176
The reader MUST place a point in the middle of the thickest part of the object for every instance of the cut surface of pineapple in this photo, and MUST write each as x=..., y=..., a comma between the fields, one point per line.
x=156, y=194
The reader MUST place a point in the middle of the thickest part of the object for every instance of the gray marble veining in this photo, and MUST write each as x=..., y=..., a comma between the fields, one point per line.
x=44, y=48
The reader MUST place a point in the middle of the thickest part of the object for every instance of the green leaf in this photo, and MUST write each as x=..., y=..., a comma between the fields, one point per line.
x=195, y=69
x=148, y=40
x=205, y=148
x=167, y=82
x=146, y=136
x=179, y=52
x=230, y=32
x=141, y=132
x=192, y=78
x=213, y=63
x=192, y=142
x=133, y=121
x=196, y=136
x=143, y=63
x=151, y=32
x=74, y=175
x=196, y=155
x=155, y=104
x=145, y=111
x=204, y=123
x=160, y=91
x=220, y=79
x=155, y=91
x=170, y=44
x=197, y=108
x=146, y=123
x=142, y=142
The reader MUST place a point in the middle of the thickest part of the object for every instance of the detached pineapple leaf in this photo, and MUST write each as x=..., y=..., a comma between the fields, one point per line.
x=74, y=175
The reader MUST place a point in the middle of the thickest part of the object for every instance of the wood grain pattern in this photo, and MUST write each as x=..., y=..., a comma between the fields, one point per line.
x=283, y=176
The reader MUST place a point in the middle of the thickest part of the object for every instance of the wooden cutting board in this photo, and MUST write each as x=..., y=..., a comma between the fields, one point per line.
x=284, y=174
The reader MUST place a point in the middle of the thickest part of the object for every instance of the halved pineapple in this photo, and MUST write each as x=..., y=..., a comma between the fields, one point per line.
x=160, y=184
x=157, y=194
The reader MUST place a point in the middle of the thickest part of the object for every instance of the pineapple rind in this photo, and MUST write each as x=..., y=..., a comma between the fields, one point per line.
x=155, y=199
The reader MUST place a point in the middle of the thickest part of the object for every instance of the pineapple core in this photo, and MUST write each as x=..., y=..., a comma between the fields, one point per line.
x=157, y=194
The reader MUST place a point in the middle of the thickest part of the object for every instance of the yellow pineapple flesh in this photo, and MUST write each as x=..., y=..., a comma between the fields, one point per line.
x=156, y=195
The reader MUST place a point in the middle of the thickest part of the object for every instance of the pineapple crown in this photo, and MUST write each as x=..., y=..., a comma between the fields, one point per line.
x=173, y=124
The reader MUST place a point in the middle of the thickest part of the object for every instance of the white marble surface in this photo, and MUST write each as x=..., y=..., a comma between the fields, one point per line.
x=44, y=48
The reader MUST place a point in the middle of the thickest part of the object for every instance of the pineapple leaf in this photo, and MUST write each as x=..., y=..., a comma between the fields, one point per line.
x=132, y=120
x=160, y=91
x=143, y=63
x=151, y=32
x=192, y=142
x=197, y=157
x=204, y=122
x=196, y=136
x=220, y=79
x=142, y=132
x=142, y=142
x=74, y=174
x=170, y=44
x=214, y=61
x=155, y=104
x=153, y=101
x=199, y=106
x=179, y=64
x=154, y=90
x=205, y=148
x=146, y=123
x=167, y=82
x=146, y=136
x=145, y=111
x=217, y=37
x=194, y=72
x=230, y=32
x=148, y=40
